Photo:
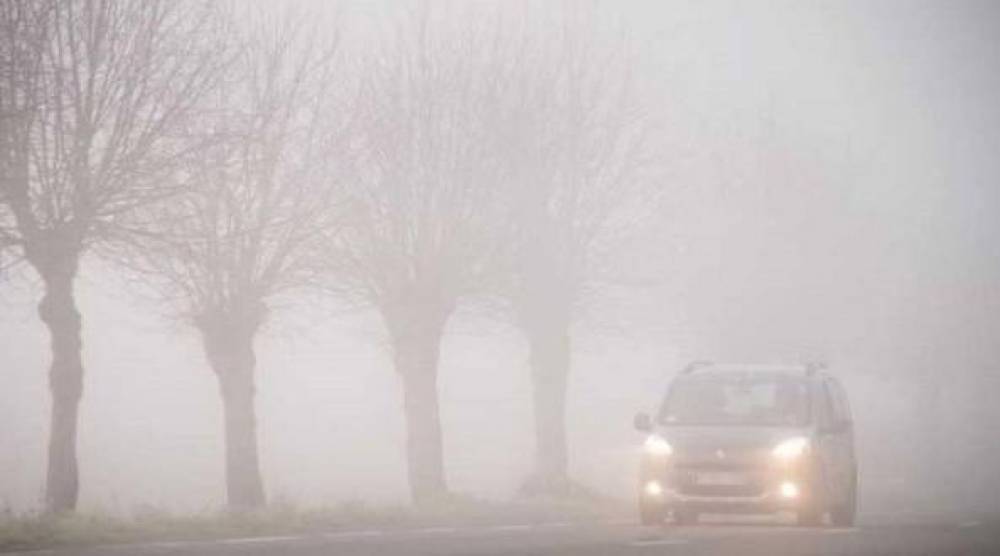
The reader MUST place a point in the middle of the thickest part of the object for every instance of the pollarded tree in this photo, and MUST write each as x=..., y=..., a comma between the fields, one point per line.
x=254, y=197
x=426, y=181
x=577, y=137
x=94, y=97
x=23, y=28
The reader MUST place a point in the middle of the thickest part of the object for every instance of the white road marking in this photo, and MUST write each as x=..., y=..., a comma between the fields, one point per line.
x=969, y=524
x=170, y=544
x=555, y=524
x=353, y=534
x=508, y=528
x=253, y=540
x=658, y=542
x=433, y=530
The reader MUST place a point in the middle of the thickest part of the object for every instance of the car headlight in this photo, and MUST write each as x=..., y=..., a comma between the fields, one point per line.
x=657, y=446
x=791, y=449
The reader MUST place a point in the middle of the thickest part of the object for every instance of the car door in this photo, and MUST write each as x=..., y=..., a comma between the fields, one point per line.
x=838, y=441
x=826, y=442
x=847, y=466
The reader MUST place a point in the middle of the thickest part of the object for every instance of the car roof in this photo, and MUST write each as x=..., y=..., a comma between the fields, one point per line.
x=775, y=370
x=755, y=376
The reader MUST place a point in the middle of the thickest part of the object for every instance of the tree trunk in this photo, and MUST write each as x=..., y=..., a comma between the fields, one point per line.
x=59, y=313
x=550, y=363
x=416, y=360
x=230, y=352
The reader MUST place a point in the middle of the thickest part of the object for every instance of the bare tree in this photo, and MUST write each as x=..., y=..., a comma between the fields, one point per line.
x=577, y=138
x=23, y=28
x=220, y=254
x=93, y=96
x=426, y=174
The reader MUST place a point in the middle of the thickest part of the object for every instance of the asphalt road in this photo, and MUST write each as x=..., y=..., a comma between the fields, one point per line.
x=874, y=536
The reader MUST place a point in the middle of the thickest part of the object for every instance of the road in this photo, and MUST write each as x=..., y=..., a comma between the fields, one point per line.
x=891, y=535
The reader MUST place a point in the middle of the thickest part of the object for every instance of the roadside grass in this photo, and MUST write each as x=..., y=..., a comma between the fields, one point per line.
x=150, y=525
x=38, y=531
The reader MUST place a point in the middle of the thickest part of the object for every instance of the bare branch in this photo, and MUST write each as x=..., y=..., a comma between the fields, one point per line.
x=261, y=185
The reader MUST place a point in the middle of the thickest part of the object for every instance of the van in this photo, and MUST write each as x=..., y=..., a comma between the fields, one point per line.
x=749, y=439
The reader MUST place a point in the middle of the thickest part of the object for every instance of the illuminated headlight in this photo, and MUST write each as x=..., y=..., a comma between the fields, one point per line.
x=791, y=449
x=653, y=488
x=657, y=446
x=789, y=489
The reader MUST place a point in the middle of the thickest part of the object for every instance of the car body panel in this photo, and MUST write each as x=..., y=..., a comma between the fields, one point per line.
x=732, y=468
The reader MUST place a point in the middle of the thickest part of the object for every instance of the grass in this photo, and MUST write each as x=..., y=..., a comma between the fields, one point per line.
x=28, y=532
x=91, y=529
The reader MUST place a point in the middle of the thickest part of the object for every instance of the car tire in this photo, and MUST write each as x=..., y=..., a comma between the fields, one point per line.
x=650, y=514
x=809, y=517
x=843, y=515
x=685, y=517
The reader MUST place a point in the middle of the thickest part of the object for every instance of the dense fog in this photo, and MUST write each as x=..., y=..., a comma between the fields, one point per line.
x=820, y=184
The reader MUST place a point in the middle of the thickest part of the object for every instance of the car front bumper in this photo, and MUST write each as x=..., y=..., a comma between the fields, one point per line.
x=761, y=489
x=765, y=503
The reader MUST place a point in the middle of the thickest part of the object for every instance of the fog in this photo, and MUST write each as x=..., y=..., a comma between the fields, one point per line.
x=824, y=179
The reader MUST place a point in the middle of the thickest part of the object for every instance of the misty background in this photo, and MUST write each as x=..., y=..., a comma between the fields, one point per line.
x=831, y=193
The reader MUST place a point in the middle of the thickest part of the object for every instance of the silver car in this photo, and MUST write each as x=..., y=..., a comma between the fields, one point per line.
x=749, y=439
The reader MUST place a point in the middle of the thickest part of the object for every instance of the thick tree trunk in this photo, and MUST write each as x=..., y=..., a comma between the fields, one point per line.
x=229, y=348
x=550, y=363
x=59, y=313
x=416, y=359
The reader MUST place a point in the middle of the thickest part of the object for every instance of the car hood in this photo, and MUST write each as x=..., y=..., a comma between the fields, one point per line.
x=699, y=439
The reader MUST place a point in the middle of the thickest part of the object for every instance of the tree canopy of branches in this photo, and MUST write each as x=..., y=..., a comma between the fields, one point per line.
x=93, y=98
x=425, y=179
x=253, y=198
x=477, y=155
x=577, y=140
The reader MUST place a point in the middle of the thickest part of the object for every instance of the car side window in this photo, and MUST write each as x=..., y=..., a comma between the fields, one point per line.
x=825, y=416
x=841, y=411
x=844, y=404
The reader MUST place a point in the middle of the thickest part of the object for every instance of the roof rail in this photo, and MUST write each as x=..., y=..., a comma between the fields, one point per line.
x=813, y=367
x=809, y=368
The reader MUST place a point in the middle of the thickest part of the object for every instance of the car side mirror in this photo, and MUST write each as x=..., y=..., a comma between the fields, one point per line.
x=642, y=422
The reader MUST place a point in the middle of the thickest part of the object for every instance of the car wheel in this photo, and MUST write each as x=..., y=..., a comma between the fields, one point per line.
x=809, y=517
x=650, y=514
x=843, y=515
x=685, y=517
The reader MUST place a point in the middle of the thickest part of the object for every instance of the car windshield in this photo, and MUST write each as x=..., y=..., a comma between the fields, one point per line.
x=736, y=400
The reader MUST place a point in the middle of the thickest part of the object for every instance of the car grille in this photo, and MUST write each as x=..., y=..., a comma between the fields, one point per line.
x=750, y=468
x=750, y=489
